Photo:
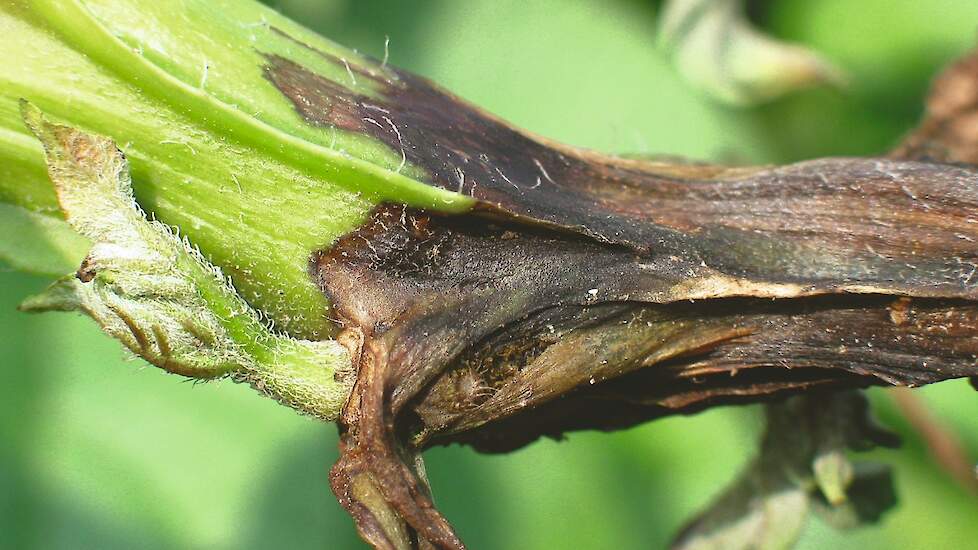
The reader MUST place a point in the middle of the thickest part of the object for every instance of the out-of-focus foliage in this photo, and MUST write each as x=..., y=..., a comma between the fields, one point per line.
x=716, y=49
x=99, y=452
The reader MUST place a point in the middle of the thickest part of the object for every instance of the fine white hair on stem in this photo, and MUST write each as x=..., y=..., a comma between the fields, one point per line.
x=261, y=23
x=400, y=142
x=349, y=71
x=372, y=121
x=544, y=171
x=184, y=143
x=203, y=77
x=509, y=181
x=373, y=107
x=461, y=179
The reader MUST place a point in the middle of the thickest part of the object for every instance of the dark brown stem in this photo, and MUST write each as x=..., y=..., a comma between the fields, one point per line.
x=589, y=292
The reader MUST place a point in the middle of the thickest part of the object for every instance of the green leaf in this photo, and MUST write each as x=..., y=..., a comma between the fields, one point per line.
x=39, y=244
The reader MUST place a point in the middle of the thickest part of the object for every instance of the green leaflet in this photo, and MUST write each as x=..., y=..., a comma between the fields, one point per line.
x=716, y=49
x=38, y=244
x=214, y=148
x=159, y=297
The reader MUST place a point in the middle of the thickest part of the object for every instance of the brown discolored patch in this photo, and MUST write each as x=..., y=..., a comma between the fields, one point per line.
x=899, y=311
x=821, y=226
x=471, y=337
x=86, y=272
x=590, y=292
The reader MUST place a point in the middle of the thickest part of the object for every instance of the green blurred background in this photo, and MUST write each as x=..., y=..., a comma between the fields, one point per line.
x=97, y=451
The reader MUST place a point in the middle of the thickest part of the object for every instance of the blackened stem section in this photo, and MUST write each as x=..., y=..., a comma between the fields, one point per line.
x=493, y=334
x=587, y=292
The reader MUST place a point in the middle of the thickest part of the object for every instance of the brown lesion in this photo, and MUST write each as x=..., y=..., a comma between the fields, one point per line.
x=828, y=225
x=489, y=334
x=591, y=292
x=87, y=271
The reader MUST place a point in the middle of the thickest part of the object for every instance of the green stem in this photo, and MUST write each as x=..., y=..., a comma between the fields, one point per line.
x=81, y=31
